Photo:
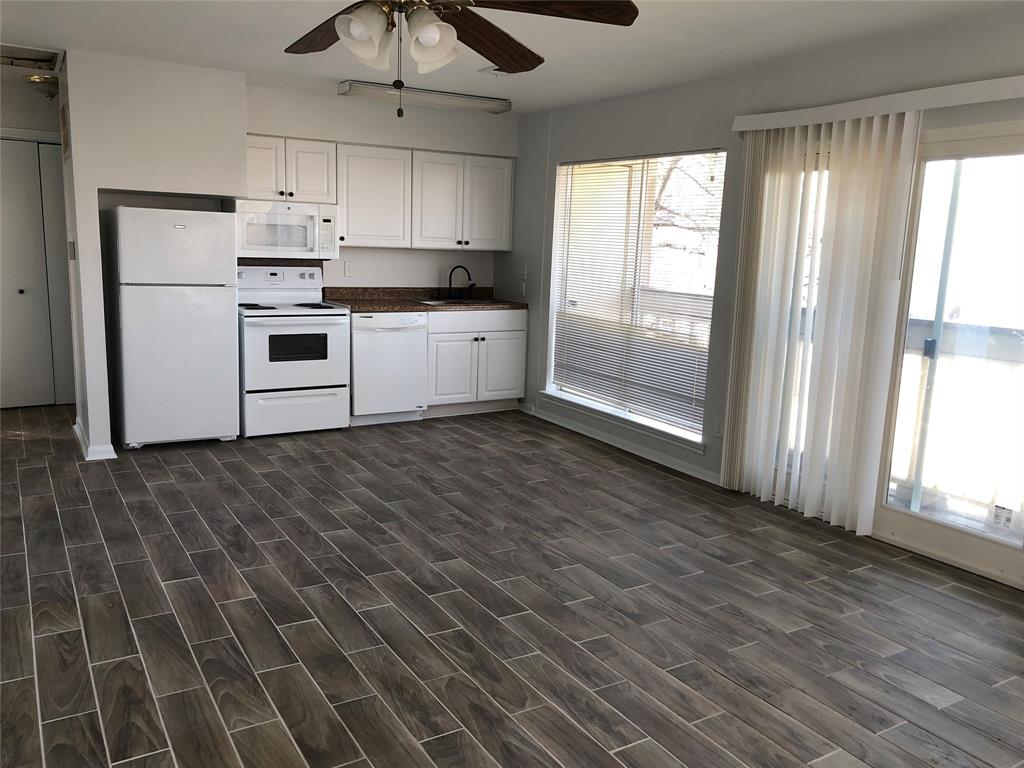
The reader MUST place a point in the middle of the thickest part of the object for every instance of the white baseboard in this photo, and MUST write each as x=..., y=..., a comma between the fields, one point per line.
x=463, y=409
x=997, y=561
x=586, y=427
x=92, y=452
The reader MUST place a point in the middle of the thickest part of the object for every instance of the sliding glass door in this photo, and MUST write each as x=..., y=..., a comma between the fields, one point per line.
x=957, y=452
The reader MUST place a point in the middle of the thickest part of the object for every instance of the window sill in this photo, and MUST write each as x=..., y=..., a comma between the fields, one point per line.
x=678, y=437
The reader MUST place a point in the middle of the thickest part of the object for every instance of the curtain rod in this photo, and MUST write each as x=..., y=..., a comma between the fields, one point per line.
x=998, y=89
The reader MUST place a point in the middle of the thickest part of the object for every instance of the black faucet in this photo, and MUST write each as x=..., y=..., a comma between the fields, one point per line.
x=469, y=277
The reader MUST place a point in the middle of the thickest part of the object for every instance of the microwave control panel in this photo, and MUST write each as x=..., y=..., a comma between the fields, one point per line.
x=327, y=236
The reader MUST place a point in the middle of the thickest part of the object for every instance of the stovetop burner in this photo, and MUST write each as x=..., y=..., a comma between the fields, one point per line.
x=316, y=305
x=255, y=306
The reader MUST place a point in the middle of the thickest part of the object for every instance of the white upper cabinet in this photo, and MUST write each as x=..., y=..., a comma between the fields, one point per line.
x=291, y=169
x=311, y=171
x=437, y=180
x=375, y=196
x=264, y=167
x=461, y=202
x=487, y=204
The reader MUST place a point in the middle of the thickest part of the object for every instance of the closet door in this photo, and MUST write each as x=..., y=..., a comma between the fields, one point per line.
x=51, y=179
x=26, y=367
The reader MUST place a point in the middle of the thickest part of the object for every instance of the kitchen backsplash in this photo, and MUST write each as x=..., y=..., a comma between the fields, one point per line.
x=339, y=293
x=376, y=267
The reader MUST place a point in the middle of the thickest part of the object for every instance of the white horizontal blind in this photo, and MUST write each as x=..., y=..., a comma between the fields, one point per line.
x=635, y=246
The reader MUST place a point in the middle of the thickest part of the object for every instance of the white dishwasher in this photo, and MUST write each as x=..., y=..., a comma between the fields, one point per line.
x=389, y=362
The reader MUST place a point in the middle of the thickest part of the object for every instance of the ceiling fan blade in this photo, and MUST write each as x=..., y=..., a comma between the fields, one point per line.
x=322, y=36
x=621, y=12
x=491, y=42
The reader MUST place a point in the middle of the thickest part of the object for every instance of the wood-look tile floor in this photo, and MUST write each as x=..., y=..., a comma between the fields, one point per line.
x=481, y=591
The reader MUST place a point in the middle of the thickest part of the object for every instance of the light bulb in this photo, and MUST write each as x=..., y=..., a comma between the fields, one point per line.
x=430, y=36
x=358, y=30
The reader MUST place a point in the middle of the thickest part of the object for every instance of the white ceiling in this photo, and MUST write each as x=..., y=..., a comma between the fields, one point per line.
x=670, y=42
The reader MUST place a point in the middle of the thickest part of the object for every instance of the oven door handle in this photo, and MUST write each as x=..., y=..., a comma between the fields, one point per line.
x=312, y=320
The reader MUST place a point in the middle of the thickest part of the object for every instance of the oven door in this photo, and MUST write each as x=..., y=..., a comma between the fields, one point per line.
x=278, y=230
x=295, y=352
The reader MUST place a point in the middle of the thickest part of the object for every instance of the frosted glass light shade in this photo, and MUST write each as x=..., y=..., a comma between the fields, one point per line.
x=433, y=41
x=363, y=31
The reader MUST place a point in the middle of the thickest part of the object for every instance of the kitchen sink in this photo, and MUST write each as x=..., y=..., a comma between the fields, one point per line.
x=450, y=302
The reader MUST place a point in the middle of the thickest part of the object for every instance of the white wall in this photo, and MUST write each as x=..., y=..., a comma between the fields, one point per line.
x=698, y=115
x=355, y=120
x=22, y=106
x=136, y=125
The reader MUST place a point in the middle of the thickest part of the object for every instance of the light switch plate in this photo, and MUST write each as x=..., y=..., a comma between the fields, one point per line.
x=350, y=268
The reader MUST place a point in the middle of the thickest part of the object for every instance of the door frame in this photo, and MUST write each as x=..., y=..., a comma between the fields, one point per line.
x=935, y=538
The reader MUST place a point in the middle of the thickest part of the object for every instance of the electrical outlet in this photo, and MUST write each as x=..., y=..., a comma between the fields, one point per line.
x=522, y=272
x=719, y=426
x=350, y=268
x=522, y=288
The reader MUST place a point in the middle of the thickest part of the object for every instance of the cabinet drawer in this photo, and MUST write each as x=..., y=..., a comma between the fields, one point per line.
x=472, y=321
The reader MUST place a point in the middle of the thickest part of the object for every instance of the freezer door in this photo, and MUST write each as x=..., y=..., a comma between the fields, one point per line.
x=156, y=246
x=179, y=363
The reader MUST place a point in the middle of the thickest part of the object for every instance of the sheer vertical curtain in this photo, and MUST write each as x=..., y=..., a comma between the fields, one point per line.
x=824, y=246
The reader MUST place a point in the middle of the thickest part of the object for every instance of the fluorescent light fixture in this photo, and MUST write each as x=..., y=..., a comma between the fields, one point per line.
x=425, y=98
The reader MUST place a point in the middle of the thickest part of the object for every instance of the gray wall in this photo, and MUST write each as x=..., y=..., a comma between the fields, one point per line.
x=698, y=115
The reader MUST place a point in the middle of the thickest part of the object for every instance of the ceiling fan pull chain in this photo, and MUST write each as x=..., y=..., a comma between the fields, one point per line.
x=399, y=85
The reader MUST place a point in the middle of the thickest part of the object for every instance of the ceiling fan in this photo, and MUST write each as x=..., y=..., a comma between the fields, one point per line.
x=367, y=27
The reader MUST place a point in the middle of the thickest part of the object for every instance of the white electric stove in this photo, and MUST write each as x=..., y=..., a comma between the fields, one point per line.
x=295, y=351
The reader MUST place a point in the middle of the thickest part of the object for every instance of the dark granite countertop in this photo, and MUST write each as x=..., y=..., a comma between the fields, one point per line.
x=408, y=299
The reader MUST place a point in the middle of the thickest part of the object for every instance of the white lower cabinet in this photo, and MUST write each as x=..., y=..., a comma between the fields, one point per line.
x=502, y=365
x=452, y=367
x=476, y=356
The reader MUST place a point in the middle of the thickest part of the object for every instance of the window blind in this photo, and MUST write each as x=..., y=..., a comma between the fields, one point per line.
x=633, y=274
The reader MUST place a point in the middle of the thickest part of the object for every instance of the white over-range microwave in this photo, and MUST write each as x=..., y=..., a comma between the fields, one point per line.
x=280, y=230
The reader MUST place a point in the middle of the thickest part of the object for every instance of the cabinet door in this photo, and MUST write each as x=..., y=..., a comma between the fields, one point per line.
x=312, y=171
x=436, y=200
x=264, y=167
x=502, y=368
x=452, y=367
x=375, y=196
x=487, y=206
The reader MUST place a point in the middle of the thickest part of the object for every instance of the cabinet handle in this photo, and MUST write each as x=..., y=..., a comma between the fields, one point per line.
x=341, y=238
x=22, y=290
x=483, y=338
x=477, y=339
x=291, y=194
x=458, y=242
x=281, y=193
x=466, y=242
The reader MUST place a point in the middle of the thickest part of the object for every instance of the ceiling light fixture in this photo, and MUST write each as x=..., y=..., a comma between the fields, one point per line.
x=433, y=41
x=367, y=32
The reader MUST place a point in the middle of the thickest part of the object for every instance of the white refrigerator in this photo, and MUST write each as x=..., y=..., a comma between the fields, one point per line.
x=177, y=325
